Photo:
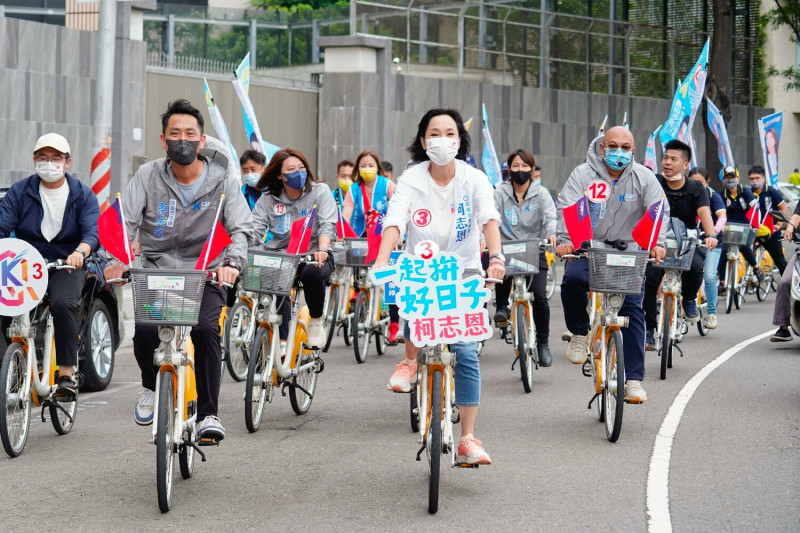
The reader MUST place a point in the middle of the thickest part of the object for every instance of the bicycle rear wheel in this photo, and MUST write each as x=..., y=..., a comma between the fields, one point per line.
x=762, y=287
x=359, y=329
x=237, y=346
x=165, y=452
x=259, y=379
x=434, y=441
x=15, y=417
x=301, y=393
x=666, y=336
x=186, y=452
x=551, y=280
x=331, y=316
x=524, y=349
x=413, y=408
x=63, y=422
x=730, y=285
x=614, y=386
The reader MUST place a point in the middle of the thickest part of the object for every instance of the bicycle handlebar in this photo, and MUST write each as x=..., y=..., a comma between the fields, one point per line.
x=59, y=265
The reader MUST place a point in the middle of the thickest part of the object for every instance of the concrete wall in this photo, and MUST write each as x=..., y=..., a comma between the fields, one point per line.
x=286, y=117
x=556, y=126
x=47, y=77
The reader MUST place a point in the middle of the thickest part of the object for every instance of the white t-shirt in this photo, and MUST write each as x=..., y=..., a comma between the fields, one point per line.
x=443, y=211
x=54, y=202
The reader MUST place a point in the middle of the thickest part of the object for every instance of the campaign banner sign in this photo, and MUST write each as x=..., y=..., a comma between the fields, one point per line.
x=770, y=128
x=24, y=276
x=686, y=101
x=717, y=126
x=390, y=289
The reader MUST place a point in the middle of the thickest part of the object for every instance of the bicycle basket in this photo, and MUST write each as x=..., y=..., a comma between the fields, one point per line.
x=737, y=234
x=678, y=259
x=522, y=257
x=355, y=252
x=338, y=253
x=167, y=297
x=270, y=272
x=616, y=271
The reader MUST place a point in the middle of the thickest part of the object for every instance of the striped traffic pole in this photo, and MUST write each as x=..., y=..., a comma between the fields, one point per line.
x=101, y=176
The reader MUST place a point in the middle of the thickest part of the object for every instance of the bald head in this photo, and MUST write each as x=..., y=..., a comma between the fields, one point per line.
x=616, y=139
x=620, y=136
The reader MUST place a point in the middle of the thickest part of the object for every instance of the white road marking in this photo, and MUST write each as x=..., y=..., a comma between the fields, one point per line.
x=659, y=520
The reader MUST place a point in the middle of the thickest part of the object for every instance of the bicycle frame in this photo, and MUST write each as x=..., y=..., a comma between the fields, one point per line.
x=174, y=361
x=374, y=310
x=283, y=368
x=670, y=286
x=431, y=359
x=23, y=332
x=604, y=317
x=521, y=296
x=342, y=278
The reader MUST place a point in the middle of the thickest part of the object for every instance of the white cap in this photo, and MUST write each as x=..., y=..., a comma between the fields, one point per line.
x=52, y=140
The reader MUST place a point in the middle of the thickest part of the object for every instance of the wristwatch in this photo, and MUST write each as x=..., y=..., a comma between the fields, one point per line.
x=711, y=236
x=79, y=249
x=326, y=250
x=499, y=256
x=233, y=263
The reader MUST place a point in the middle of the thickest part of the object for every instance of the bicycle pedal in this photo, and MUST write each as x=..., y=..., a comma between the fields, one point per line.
x=587, y=369
x=465, y=465
x=634, y=402
x=208, y=441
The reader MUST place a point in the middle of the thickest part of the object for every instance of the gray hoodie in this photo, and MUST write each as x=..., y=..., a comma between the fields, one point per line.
x=534, y=219
x=636, y=189
x=276, y=216
x=173, y=237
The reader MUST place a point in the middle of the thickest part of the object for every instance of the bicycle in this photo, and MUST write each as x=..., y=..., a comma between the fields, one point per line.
x=368, y=319
x=170, y=299
x=273, y=275
x=27, y=381
x=734, y=236
x=337, y=302
x=552, y=273
x=522, y=262
x=702, y=305
x=238, y=332
x=613, y=273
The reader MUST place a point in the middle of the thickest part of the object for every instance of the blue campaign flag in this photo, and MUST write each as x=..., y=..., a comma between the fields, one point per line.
x=717, y=126
x=241, y=85
x=650, y=152
x=687, y=100
x=770, y=128
x=489, y=161
x=217, y=121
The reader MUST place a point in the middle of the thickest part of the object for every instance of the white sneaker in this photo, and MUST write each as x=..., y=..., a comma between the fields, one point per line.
x=710, y=322
x=634, y=393
x=405, y=373
x=143, y=410
x=576, y=351
x=211, y=427
x=316, y=333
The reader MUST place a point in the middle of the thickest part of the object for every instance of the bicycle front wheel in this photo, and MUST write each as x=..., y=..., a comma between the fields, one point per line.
x=762, y=287
x=730, y=285
x=301, y=393
x=434, y=441
x=524, y=349
x=413, y=407
x=237, y=345
x=614, y=386
x=551, y=280
x=359, y=329
x=15, y=417
x=666, y=335
x=63, y=420
x=259, y=379
x=331, y=316
x=164, y=445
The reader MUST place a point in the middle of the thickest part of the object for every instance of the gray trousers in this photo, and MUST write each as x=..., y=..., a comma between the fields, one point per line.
x=783, y=296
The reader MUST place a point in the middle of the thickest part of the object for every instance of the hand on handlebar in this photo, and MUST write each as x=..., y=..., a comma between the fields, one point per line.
x=710, y=243
x=320, y=258
x=75, y=259
x=114, y=272
x=658, y=253
x=225, y=276
x=496, y=271
x=564, y=249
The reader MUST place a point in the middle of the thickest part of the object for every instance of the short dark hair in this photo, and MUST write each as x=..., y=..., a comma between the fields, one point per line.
x=756, y=169
x=255, y=157
x=271, y=176
x=387, y=166
x=181, y=106
x=523, y=154
x=344, y=163
x=416, y=149
x=682, y=147
x=699, y=170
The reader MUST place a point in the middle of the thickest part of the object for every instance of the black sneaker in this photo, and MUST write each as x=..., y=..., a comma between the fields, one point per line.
x=759, y=274
x=501, y=317
x=545, y=357
x=782, y=335
x=721, y=289
x=67, y=390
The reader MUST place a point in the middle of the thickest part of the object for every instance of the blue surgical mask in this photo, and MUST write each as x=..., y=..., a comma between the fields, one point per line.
x=296, y=179
x=251, y=179
x=617, y=158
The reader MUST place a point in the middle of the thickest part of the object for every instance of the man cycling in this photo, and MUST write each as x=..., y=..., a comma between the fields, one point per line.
x=782, y=313
x=172, y=202
x=769, y=199
x=56, y=214
x=688, y=201
x=738, y=201
x=633, y=188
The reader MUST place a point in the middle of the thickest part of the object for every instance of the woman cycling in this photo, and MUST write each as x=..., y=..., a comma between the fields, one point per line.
x=366, y=199
x=527, y=211
x=437, y=178
x=291, y=193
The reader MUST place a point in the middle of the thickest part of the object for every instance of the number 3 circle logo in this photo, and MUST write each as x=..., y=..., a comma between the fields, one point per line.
x=421, y=218
x=426, y=249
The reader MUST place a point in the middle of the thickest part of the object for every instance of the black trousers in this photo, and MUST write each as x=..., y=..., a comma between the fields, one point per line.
x=65, y=288
x=774, y=245
x=315, y=279
x=541, y=307
x=690, y=285
x=207, y=351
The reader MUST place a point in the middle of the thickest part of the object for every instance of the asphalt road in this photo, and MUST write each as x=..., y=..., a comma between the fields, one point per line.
x=349, y=463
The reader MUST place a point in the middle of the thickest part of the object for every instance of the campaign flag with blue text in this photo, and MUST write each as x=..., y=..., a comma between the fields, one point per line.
x=241, y=84
x=770, y=129
x=650, y=152
x=217, y=122
x=717, y=126
x=687, y=100
x=489, y=161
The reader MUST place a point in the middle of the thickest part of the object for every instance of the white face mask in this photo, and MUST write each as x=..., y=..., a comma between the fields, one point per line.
x=676, y=177
x=50, y=172
x=442, y=150
x=251, y=179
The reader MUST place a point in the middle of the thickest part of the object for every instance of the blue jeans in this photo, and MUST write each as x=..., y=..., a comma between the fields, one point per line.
x=575, y=298
x=710, y=278
x=467, y=370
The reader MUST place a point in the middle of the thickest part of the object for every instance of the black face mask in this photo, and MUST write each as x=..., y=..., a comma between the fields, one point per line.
x=520, y=177
x=182, y=152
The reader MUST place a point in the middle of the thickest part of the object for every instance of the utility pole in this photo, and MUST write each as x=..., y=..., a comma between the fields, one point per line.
x=101, y=135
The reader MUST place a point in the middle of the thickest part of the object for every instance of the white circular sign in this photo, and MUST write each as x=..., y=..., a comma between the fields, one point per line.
x=23, y=277
x=280, y=209
x=426, y=249
x=598, y=191
x=421, y=218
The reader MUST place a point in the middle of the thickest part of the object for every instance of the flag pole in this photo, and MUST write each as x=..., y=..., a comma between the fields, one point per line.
x=305, y=228
x=213, y=230
x=660, y=216
x=769, y=210
x=125, y=231
x=340, y=222
x=755, y=210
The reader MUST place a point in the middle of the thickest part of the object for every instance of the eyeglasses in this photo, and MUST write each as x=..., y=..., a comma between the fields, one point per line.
x=54, y=159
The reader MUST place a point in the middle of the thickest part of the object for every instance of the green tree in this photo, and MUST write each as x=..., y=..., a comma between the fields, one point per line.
x=288, y=4
x=786, y=13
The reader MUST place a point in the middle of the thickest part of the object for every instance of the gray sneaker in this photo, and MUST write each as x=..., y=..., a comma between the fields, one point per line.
x=210, y=428
x=710, y=322
x=576, y=352
x=143, y=410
